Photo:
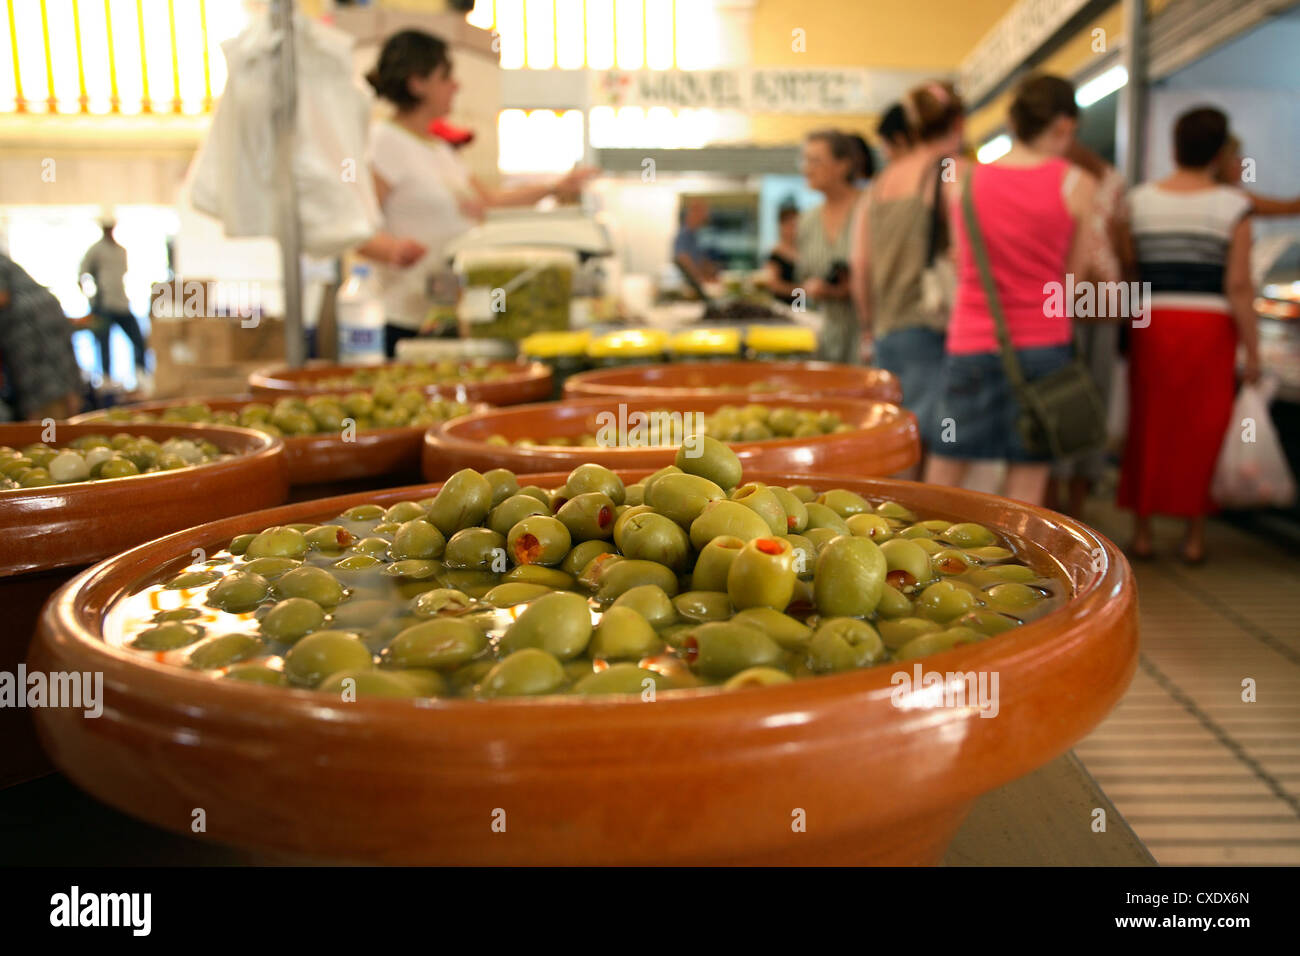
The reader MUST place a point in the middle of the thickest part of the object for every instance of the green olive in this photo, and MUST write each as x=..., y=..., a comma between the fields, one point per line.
x=438, y=643
x=558, y=623
x=188, y=580
x=844, y=643
x=441, y=601
x=876, y=528
x=623, y=634
x=588, y=516
x=702, y=606
x=682, y=498
x=714, y=563
x=239, y=591
x=720, y=649
x=315, y=584
x=278, y=543
x=417, y=538
x=944, y=601
x=651, y=602
x=527, y=671
x=403, y=512
x=539, y=540
x=356, y=614
x=514, y=592
x=625, y=574
x=581, y=554
x=791, y=633
x=319, y=655
x=292, y=619
x=586, y=479
x=849, y=577
x=820, y=516
x=352, y=684
x=257, y=674
x=897, y=633
x=762, y=575
x=224, y=650
x=845, y=503
x=727, y=517
x=463, y=502
x=167, y=636
x=476, y=548
x=756, y=677
x=271, y=568
x=622, y=679
x=330, y=537
x=513, y=510
x=652, y=537
x=763, y=501
x=970, y=535
x=503, y=484
x=1013, y=597
x=709, y=458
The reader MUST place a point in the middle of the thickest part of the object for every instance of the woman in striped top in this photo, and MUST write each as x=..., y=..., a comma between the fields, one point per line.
x=1190, y=239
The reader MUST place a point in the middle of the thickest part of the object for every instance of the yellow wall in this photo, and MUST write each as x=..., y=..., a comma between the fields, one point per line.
x=881, y=34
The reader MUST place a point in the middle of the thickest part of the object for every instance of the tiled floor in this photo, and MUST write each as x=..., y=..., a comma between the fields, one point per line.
x=1202, y=776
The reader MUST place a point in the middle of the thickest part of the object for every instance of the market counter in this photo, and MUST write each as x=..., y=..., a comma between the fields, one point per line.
x=1043, y=819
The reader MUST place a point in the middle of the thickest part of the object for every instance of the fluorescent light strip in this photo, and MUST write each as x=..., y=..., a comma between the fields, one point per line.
x=1101, y=86
x=995, y=148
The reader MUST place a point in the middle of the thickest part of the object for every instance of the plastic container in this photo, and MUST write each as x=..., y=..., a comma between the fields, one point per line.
x=564, y=352
x=628, y=347
x=776, y=343
x=705, y=345
x=360, y=319
x=511, y=293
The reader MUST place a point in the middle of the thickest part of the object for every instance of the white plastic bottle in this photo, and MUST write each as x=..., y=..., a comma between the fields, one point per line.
x=360, y=314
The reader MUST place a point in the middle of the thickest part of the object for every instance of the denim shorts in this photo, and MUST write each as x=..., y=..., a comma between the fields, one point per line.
x=976, y=411
x=916, y=357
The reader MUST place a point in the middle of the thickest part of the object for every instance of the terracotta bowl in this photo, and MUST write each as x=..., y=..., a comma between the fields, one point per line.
x=883, y=442
x=702, y=379
x=524, y=383
x=47, y=532
x=321, y=459
x=824, y=770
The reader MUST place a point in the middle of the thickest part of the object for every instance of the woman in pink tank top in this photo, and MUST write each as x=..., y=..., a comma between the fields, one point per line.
x=1027, y=205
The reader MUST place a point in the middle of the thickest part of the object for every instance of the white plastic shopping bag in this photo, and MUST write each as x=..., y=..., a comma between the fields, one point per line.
x=1252, y=471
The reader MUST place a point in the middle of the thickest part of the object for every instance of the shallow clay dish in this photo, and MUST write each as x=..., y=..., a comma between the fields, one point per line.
x=693, y=777
x=760, y=381
x=320, y=459
x=523, y=383
x=884, y=441
x=49, y=531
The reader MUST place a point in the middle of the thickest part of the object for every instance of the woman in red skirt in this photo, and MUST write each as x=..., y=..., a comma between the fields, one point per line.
x=1190, y=239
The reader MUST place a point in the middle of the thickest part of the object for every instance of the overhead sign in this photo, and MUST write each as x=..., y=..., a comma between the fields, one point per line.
x=755, y=90
x=1016, y=37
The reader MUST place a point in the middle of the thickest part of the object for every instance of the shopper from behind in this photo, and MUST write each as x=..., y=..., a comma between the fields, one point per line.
x=1190, y=238
x=899, y=258
x=105, y=264
x=864, y=162
x=39, y=377
x=1029, y=205
x=779, y=270
x=830, y=167
x=895, y=137
x=688, y=253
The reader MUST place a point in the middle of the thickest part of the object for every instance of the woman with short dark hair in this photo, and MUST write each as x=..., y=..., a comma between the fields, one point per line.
x=1189, y=237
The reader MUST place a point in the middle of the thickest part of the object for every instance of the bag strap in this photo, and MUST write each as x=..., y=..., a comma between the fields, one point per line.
x=936, y=217
x=976, y=239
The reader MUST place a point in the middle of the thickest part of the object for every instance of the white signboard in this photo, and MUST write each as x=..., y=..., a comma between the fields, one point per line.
x=759, y=90
x=1019, y=34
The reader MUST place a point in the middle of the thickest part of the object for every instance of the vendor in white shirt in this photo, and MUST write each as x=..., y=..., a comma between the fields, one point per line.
x=426, y=194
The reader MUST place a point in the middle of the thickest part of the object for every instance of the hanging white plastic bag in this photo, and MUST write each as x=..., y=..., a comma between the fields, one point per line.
x=1252, y=471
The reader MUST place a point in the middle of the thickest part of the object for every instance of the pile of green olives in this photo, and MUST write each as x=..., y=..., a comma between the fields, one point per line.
x=418, y=375
x=692, y=577
x=730, y=423
x=92, y=457
x=291, y=417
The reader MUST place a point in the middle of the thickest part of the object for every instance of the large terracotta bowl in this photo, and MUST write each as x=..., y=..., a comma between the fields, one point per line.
x=320, y=459
x=775, y=381
x=524, y=383
x=883, y=441
x=824, y=770
x=47, y=532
